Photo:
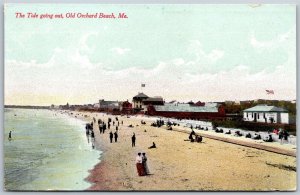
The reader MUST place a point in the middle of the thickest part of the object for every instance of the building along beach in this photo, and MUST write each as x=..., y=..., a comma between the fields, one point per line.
x=176, y=164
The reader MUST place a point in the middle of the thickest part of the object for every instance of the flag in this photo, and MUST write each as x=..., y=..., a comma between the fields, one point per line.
x=269, y=92
x=143, y=85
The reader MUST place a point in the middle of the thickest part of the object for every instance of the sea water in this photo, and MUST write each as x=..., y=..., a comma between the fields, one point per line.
x=48, y=151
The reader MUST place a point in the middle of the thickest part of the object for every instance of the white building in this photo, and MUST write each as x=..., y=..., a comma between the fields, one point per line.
x=266, y=114
x=138, y=100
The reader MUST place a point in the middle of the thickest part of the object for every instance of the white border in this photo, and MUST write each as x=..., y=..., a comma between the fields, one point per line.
x=296, y=2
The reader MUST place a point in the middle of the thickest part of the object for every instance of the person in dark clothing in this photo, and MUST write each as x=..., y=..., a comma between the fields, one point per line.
x=228, y=132
x=256, y=136
x=111, y=136
x=104, y=128
x=248, y=135
x=116, y=136
x=92, y=134
x=198, y=138
x=9, y=136
x=108, y=125
x=153, y=146
x=285, y=135
x=116, y=128
x=113, y=123
x=191, y=136
x=133, y=140
x=100, y=128
x=269, y=138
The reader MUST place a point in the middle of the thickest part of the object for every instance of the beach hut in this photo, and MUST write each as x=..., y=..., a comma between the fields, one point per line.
x=266, y=114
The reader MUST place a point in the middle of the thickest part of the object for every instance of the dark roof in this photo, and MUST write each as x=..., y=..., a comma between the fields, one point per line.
x=154, y=99
x=141, y=95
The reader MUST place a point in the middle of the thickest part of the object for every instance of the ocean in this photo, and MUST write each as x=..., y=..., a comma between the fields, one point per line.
x=48, y=151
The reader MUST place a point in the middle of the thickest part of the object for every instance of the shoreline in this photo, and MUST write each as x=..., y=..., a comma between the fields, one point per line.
x=116, y=169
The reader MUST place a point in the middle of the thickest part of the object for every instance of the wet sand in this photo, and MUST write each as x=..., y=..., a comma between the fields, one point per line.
x=176, y=164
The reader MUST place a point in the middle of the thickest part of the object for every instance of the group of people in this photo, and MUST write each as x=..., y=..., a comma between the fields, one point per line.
x=141, y=159
x=102, y=126
x=90, y=133
x=282, y=135
x=193, y=137
x=158, y=123
x=141, y=164
x=113, y=135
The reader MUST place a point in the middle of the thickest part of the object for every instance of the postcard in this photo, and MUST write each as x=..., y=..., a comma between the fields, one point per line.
x=158, y=97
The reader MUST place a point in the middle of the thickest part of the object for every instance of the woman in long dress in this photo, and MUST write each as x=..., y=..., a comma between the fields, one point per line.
x=139, y=165
x=144, y=160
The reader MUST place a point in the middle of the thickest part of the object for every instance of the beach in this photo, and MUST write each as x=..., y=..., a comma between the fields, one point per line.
x=176, y=164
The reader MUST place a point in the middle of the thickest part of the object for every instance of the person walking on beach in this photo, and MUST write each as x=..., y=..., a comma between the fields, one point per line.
x=144, y=162
x=116, y=136
x=92, y=135
x=108, y=125
x=133, y=140
x=100, y=128
x=139, y=165
x=116, y=128
x=111, y=136
x=104, y=128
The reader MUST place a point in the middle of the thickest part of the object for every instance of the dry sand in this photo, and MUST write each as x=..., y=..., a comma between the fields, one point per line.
x=181, y=165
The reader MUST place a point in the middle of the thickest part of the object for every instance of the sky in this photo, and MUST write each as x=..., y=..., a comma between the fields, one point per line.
x=180, y=52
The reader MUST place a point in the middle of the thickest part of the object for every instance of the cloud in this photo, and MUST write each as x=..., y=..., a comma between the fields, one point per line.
x=120, y=51
x=202, y=58
x=75, y=57
x=275, y=42
x=83, y=42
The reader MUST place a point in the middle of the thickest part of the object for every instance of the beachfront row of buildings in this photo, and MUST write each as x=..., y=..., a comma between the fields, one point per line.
x=156, y=106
